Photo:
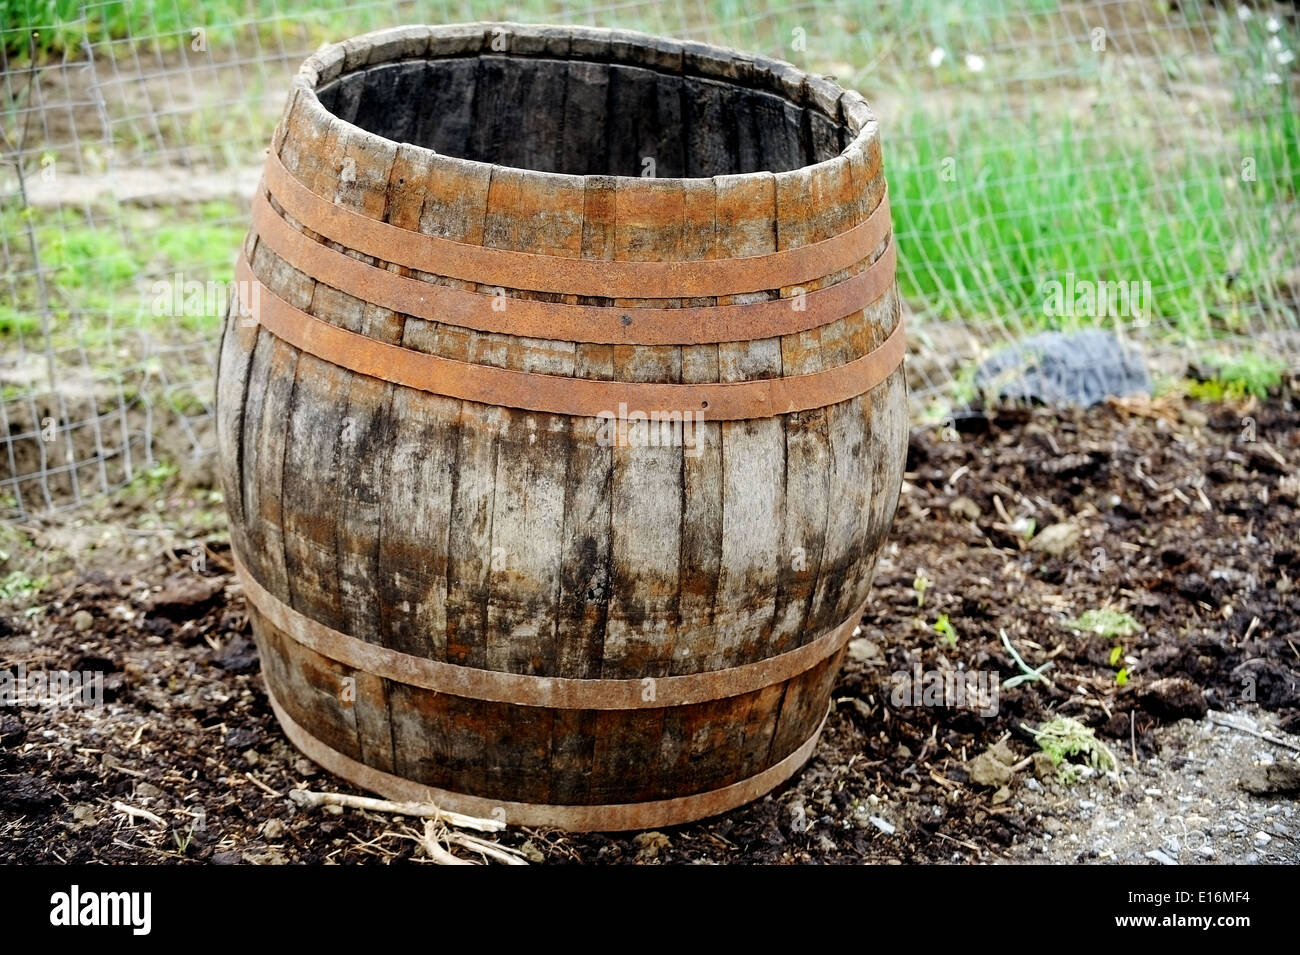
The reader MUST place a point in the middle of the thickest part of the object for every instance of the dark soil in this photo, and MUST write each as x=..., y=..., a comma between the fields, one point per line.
x=1163, y=510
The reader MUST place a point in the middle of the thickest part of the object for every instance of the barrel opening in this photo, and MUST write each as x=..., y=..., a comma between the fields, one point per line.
x=584, y=118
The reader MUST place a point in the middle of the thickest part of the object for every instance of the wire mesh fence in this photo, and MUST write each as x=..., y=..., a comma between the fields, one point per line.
x=1053, y=166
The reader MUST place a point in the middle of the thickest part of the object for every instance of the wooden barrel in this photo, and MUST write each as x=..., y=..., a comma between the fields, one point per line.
x=562, y=417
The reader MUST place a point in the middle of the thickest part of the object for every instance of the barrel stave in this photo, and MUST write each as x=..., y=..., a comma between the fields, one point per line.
x=520, y=542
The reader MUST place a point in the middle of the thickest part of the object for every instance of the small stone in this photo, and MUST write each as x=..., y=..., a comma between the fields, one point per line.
x=332, y=810
x=884, y=825
x=238, y=656
x=270, y=857
x=227, y=858
x=1057, y=540
x=1262, y=838
x=649, y=844
x=1044, y=768
x=1194, y=417
x=1001, y=796
x=185, y=596
x=1053, y=825
x=241, y=738
x=1033, y=784
x=902, y=752
x=305, y=768
x=251, y=757
x=1160, y=856
x=860, y=707
x=273, y=829
x=83, y=814
x=862, y=650
x=531, y=852
x=82, y=621
x=992, y=767
x=148, y=791
x=1277, y=778
x=964, y=508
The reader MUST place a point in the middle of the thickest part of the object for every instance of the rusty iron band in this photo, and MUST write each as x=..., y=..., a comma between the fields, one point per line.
x=555, y=273
x=614, y=817
x=530, y=318
x=556, y=394
x=523, y=689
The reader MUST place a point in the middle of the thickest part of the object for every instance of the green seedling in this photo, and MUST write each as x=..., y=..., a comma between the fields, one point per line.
x=1063, y=738
x=947, y=632
x=921, y=584
x=1027, y=673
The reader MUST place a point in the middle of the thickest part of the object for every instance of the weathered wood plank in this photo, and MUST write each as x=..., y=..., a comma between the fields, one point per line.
x=649, y=222
x=238, y=339
x=528, y=510
x=585, y=571
x=270, y=393
x=415, y=506
x=711, y=138
x=753, y=452
x=584, y=143
x=701, y=540
x=807, y=438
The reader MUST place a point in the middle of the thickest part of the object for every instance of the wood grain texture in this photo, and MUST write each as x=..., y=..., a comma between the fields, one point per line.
x=489, y=537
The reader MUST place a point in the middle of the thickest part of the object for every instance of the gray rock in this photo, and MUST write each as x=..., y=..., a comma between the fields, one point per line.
x=863, y=650
x=1276, y=779
x=1057, y=540
x=1060, y=368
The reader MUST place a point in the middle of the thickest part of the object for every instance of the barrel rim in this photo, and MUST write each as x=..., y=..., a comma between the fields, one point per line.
x=844, y=107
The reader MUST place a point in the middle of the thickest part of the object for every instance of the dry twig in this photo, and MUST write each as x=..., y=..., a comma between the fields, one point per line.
x=420, y=810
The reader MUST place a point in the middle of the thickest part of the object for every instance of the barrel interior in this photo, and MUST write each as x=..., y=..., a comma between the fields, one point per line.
x=582, y=118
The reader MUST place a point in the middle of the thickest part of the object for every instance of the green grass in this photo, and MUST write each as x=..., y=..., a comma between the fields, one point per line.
x=1027, y=207
x=1237, y=376
x=106, y=267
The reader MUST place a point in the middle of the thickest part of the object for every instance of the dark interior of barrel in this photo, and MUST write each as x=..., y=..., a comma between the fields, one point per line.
x=583, y=118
